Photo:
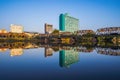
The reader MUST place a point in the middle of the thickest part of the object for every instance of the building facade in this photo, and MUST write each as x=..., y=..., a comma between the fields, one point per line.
x=16, y=28
x=48, y=28
x=68, y=23
x=108, y=31
x=85, y=32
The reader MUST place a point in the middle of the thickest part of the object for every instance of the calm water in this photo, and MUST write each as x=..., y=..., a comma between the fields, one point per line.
x=67, y=63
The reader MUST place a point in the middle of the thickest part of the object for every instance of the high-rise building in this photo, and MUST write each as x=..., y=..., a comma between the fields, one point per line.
x=48, y=28
x=16, y=28
x=68, y=23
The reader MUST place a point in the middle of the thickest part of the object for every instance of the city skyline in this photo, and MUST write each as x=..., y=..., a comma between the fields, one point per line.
x=33, y=14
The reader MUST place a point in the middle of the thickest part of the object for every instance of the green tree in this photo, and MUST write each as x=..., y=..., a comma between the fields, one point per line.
x=55, y=31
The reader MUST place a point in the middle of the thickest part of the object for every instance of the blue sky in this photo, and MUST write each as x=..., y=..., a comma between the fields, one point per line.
x=32, y=14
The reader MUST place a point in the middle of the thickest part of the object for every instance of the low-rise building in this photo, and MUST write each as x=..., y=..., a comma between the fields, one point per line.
x=16, y=28
x=84, y=32
x=65, y=33
x=108, y=31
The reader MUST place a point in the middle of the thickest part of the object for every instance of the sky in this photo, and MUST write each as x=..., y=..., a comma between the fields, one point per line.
x=33, y=14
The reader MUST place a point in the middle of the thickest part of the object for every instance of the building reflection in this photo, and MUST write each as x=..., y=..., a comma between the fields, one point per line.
x=3, y=49
x=48, y=52
x=68, y=57
x=108, y=51
x=16, y=48
x=16, y=52
x=85, y=49
x=68, y=54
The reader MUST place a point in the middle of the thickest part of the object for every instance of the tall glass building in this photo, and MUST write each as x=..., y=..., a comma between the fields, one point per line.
x=68, y=23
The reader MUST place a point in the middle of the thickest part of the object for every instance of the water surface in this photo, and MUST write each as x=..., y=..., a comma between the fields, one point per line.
x=66, y=63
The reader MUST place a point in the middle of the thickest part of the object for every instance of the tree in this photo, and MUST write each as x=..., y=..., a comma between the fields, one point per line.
x=55, y=31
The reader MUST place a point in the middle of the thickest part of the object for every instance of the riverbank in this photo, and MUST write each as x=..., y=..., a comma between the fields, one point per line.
x=71, y=39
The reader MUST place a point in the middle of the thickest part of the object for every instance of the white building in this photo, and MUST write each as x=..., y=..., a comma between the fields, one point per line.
x=16, y=28
x=16, y=52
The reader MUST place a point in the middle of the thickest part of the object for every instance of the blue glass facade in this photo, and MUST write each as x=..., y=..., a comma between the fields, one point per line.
x=62, y=22
x=68, y=23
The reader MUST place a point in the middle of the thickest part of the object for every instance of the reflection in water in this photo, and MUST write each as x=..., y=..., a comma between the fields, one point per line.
x=16, y=52
x=48, y=52
x=17, y=48
x=68, y=57
x=71, y=61
x=108, y=51
x=67, y=54
x=85, y=49
x=3, y=49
